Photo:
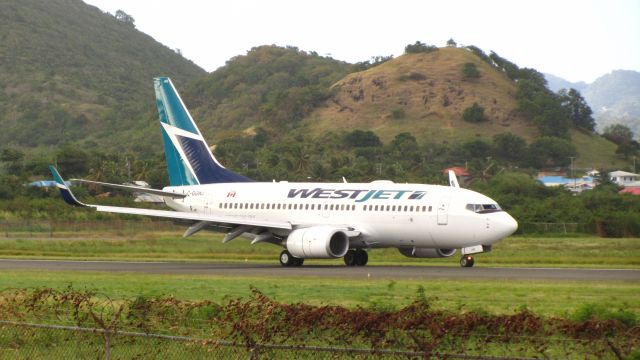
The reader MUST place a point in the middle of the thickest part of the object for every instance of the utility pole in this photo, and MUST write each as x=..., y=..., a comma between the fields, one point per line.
x=573, y=177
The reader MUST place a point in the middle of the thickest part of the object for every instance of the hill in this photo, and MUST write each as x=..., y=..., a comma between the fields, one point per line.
x=270, y=87
x=424, y=94
x=69, y=72
x=614, y=97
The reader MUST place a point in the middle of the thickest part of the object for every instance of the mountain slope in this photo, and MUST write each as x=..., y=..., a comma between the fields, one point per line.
x=424, y=94
x=614, y=97
x=69, y=72
x=270, y=86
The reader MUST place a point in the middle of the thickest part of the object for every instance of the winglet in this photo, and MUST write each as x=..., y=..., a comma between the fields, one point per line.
x=453, y=180
x=65, y=192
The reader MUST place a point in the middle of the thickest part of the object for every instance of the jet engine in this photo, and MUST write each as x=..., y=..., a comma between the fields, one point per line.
x=416, y=252
x=319, y=242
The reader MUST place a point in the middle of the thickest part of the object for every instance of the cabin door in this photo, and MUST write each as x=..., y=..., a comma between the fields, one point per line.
x=443, y=211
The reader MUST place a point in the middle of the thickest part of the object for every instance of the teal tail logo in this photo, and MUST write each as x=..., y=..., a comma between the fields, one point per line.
x=189, y=159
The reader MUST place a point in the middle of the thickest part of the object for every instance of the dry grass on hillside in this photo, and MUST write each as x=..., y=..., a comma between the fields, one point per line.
x=424, y=94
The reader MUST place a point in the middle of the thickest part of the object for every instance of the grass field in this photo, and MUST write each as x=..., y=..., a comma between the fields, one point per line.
x=558, y=298
x=578, y=300
x=585, y=251
x=497, y=297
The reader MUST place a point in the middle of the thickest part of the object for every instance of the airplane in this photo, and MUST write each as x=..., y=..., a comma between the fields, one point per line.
x=309, y=220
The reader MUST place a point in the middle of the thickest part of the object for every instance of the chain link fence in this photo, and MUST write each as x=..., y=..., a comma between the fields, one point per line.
x=42, y=341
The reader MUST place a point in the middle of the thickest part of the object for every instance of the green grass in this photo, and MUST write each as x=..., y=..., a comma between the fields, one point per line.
x=493, y=296
x=584, y=251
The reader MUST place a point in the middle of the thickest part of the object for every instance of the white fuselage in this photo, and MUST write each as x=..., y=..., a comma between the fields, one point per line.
x=385, y=213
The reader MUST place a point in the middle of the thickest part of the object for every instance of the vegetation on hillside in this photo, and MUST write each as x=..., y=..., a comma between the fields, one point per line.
x=269, y=86
x=69, y=72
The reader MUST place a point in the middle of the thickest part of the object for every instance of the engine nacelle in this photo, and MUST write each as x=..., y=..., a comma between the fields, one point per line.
x=319, y=242
x=416, y=252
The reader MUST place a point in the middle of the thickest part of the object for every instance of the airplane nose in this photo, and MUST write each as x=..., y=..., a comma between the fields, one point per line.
x=505, y=225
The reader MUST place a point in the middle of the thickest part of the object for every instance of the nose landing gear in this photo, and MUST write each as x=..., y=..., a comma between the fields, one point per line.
x=467, y=261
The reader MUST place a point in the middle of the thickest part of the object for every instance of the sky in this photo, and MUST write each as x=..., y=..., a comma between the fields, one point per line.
x=579, y=40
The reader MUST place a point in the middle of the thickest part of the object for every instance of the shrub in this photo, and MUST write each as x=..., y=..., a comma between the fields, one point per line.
x=398, y=114
x=470, y=71
x=474, y=113
x=419, y=47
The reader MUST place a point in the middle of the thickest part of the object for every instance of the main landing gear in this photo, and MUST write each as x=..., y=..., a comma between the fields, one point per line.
x=286, y=259
x=467, y=261
x=356, y=257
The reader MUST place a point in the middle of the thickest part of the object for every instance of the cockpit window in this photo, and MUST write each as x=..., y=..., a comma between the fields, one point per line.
x=483, y=208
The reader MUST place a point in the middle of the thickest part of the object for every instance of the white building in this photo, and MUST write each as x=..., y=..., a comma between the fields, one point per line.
x=624, y=178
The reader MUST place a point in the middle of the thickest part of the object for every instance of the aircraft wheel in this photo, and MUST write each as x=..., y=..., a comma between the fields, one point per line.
x=467, y=261
x=350, y=258
x=361, y=257
x=298, y=261
x=286, y=259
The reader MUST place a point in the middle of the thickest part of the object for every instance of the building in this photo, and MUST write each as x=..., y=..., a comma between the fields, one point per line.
x=575, y=185
x=624, y=178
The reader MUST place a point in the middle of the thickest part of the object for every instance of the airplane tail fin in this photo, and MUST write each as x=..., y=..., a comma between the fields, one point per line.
x=189, y=160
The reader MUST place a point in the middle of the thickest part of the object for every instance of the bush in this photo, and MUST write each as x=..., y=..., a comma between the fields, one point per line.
x=398, y=114
x=470, y=71
x=589, y=312
x=419, y=47
x=474, y=113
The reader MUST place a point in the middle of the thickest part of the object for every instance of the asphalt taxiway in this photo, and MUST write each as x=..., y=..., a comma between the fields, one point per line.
x=333, y=271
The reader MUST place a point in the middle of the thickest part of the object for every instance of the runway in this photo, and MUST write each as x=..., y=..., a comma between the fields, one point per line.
x=331, y=271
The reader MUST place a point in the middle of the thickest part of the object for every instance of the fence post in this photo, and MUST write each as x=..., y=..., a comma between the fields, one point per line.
x=255, y=352
x=107, y=344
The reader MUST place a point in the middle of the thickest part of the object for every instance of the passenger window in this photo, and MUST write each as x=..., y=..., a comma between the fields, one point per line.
x=430, y=208
x=405, y=208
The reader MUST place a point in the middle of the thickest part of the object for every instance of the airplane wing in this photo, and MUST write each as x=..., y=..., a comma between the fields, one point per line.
x=134, y=188
x=68, y=197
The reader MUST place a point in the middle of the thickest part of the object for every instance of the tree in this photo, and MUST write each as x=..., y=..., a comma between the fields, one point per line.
x=419, y=47
x=72, y=161
x=470, y=71
x=548, y=151
x=618, y=133
x=578, y=109
x=623, y=137
x=125, y=18
x=476, y=149
x=362, y=138
x=451, y=43
x=14, y=160
x=474, y=113
x=509, y=147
